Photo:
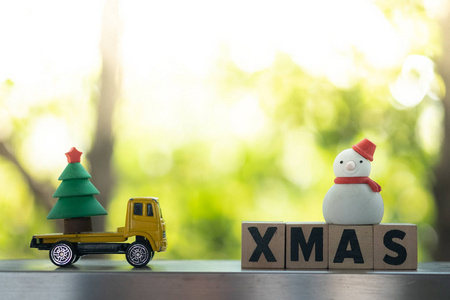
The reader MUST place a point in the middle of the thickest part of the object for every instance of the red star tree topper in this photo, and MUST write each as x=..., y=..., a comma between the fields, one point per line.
x=73, y=156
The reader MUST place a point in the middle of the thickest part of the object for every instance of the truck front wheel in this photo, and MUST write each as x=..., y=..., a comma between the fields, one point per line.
x=139, y=254
x=62, y=254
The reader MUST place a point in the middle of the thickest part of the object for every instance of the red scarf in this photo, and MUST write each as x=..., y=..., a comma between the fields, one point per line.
x=366, y=180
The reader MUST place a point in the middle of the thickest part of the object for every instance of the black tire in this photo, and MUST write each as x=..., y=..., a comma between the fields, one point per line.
x=62, y=254
x=139, y=254
x=76, y=258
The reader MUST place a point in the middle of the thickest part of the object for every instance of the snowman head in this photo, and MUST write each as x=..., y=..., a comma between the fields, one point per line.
x=350, y=163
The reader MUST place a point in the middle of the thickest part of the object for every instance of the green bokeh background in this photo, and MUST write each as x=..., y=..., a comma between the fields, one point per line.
x=208, y=182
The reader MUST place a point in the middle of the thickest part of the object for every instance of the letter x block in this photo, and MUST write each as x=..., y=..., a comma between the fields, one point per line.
x=306, y=245
x=263, y=245
x=350, y=246
x=395, y=246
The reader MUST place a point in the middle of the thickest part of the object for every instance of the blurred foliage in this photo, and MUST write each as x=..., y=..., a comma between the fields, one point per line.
x=207, y=186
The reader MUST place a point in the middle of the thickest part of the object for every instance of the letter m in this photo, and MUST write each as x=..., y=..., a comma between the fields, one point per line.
x=298, y=239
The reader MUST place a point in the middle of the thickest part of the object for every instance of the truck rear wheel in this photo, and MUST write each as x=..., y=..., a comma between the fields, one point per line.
x=139, y=254
x=62, y=254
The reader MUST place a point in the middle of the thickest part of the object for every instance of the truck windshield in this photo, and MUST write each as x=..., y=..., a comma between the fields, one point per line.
x=149, y=210
x=158, y=207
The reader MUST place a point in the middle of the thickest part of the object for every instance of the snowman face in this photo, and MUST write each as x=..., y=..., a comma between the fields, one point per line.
x=349, y=163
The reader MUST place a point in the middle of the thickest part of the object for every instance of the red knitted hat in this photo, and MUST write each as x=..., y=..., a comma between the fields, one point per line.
x=366, y=148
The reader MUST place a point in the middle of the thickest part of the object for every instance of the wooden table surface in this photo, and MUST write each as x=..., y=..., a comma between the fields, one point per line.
x=203, y=279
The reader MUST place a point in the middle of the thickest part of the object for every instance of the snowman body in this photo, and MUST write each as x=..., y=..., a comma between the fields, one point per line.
x=354, y=203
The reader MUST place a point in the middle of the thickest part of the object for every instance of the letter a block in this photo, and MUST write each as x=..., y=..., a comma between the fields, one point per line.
x=306, y=245
x=350, y=246
x=263, y=245
x=395, y=246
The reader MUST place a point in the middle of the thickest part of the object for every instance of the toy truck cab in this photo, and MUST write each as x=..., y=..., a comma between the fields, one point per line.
x=143, y=220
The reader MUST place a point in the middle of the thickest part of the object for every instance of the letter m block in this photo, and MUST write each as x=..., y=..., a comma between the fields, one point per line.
x=263, y=245
x=306, y=245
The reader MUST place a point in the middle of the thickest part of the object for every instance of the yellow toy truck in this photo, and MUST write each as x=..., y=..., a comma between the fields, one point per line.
x=143, y=220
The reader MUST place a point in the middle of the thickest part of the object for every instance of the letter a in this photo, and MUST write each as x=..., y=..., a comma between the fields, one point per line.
x=348, y=238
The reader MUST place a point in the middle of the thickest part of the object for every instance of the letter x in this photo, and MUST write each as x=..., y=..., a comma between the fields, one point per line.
x=262, y=244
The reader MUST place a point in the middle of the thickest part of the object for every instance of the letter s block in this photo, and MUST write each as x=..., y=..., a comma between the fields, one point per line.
x=306, y=245
x=263, y=245
x=395, y=246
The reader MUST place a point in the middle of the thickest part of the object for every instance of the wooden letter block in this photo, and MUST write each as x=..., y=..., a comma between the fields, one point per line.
x=350, y=246
x=263, y=245
x=306, y=245
x=395, y=246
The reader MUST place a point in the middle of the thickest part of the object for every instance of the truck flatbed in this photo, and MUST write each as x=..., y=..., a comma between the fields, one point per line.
x=88, y=237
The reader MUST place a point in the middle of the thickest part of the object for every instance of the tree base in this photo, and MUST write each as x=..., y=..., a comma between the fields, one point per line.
x=77, y=225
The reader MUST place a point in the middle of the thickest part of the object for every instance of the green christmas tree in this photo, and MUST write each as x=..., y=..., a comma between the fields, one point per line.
x=76, y=203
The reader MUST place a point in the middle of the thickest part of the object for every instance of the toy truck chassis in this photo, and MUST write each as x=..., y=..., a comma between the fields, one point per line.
x=66, y=249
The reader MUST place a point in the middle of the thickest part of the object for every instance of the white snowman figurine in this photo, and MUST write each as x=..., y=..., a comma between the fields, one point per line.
x=354, y=199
